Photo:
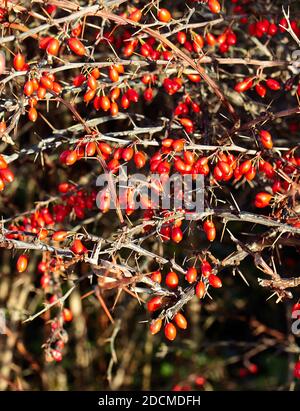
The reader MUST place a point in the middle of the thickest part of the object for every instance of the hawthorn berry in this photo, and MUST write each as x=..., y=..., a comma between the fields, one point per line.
x=262, y=199
x=76, y=46
x=155, y=326
x=273, y=84
x=77, y=247
x=176, y=234
x=297, y=370
x=172, y=279
x=191, y=275
x=210, y=230
x=32, y=114
x=59, y=235
x=200, y=289
x=214, y=6
x=244, y=85
x=180, y=321
x=53, y=46
x=156, y=276
x=266, y=139
x=164, y=15
x=67, y=315
x=22, y=263
x=154, y=304
x=19, y=61
x=214, y=281
x=170, y=331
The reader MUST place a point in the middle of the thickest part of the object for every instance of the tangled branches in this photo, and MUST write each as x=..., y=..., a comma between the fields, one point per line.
x=146, y=153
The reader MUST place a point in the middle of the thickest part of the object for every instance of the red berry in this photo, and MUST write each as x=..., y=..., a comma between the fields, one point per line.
x=59, y=235
x=262, y=199
x=132, y=95
x=46, y=82
x=210, y=230
x=148, y=94
x=200, y=289
x=139, y=159
x=170, y=331
x=156, y=276
x=113, y=74
x=76, y=46
x=210, y=39
x=273, y=84
x=164, y=15
x=214, y=6
x=155, y=326
x=22, y=263
x=172, y=279
x=53, y=47
x=57, y=355
x=78, y=247
x=272, y=29
x=244, y=85
x=7, y=175
x=266, y=139
x=67, y=315
x=104, y=103
x=71, y=158
x=191, y=275
x=19, y=62
x=214, y=281
x=154, y=304
x=127, y=153
x=32, y=114
x=28, y=88
x=135, y=15
x=180, y=321
x=181, y=37
x=297, y=370
x=296, y=307
x=245, y=166
x=260, y=90
x=79, y=80
x=206, y=268
x=176, y=234
x=114, y=108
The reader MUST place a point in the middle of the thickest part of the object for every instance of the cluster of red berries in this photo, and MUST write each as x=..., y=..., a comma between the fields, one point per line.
x=224, y=40
x=52, y=45
x=34, y=223
x=201, y=280
x=59, y=337
x=35, y=88
x=49, y=269
x=73, y=201
x=260, y=89
x=95, y=92
x=289, y=164
x=6, y=175
x=265, y=27
x=174, y=155
x=198, y=381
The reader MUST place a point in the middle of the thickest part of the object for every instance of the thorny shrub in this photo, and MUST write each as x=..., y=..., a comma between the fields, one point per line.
x=199, y=88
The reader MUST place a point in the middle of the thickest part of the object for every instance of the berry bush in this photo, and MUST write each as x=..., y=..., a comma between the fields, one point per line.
x=105, y=287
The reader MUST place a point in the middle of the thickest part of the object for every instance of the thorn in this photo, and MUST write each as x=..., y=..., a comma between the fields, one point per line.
x=235, y=203
x=272, y=295
x=243, y=277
